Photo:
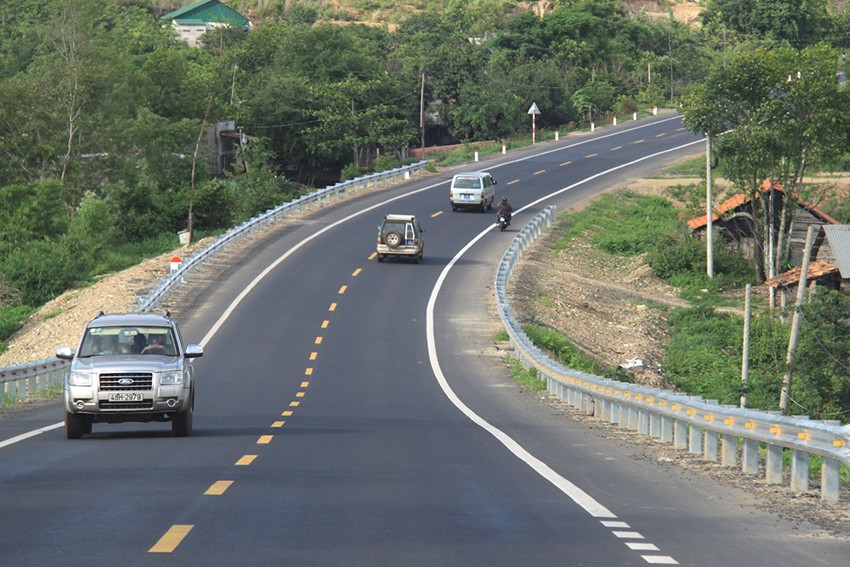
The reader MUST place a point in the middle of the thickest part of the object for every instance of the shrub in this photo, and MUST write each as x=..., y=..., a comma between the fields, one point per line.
x=350, y=171
x=39, y=270
x=384, y=163
x=11, y=319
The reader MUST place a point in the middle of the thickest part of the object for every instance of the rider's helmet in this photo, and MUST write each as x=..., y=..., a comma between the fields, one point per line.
x=504, y=199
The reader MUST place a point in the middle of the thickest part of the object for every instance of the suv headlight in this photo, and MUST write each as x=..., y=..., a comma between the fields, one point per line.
x=80, y=379
x=171, y=378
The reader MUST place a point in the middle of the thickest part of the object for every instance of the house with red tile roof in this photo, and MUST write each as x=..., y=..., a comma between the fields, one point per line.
x=733, y=220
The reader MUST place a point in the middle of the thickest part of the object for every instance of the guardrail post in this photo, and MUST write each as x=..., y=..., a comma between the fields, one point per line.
x=830, y=480
x=680, y=434
x=615, y=412
x=654, y=424
x=711, y=438
x=590, y=404
x=750, y=459
x=21, y=390
x=710, y=451
x=604, y=408
x=643, y=421
x=799, y=470
x=695, y=440
x=729, y=450
x=633, y=418
x=667, y=428
x=773, y=464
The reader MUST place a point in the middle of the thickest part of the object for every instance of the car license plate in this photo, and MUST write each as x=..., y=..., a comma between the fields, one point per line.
x=125, y=397
x=467, y=197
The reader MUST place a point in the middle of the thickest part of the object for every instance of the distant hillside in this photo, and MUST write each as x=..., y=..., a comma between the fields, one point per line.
x=391, y=12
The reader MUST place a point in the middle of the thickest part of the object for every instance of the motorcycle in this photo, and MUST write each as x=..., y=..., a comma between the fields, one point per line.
x=503, y=222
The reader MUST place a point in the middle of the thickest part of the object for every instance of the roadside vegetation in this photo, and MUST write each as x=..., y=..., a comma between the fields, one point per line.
x=704, y=354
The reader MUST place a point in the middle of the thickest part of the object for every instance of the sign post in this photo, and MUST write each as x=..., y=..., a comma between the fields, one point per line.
x=534, y=111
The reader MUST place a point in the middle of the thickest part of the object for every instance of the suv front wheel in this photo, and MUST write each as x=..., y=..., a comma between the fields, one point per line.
x=181, y=423
x=75, y=426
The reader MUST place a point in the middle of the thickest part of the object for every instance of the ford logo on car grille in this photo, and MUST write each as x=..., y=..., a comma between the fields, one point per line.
x=126, y=381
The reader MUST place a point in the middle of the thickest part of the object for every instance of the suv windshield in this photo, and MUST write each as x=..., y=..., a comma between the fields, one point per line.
x=100, y=341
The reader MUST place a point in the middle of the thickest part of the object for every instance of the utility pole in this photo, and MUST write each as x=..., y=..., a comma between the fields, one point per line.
x=670, y=45
x=795, y=323
x=709, y=211
x=745, y=363
x=422, y=114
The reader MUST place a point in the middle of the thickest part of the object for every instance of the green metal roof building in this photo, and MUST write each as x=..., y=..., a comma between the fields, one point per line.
x=194, y=20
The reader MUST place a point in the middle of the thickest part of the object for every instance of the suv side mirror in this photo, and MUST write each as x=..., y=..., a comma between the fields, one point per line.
x=64, y=352
x=194, y=351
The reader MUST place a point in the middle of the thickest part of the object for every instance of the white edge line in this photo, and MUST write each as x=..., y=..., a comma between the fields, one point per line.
x=575, y=493
x=33, y=433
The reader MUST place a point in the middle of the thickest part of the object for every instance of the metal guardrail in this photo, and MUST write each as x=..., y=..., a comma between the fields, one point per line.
x=702, y=427
x=20, y=381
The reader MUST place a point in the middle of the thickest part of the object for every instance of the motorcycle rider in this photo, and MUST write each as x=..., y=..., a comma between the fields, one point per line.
x=506, y=209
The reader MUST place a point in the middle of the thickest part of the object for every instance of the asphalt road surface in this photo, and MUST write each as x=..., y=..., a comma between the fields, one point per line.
x=355, y=413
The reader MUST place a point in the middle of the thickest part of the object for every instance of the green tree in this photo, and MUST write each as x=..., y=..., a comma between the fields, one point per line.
x=33, y=212
x=91, y=234
x=773, y=113
x=797, y=23
x=821, y=386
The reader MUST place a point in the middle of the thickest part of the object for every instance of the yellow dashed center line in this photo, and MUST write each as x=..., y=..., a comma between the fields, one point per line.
x=539, y=172
x=615, y=148
x=178, y=532
x=638, y=141
x=591, y=155
x=661, y=135
x=513, y=181
x=373, y=255
x=356, y=272
x=218, y=488
x=566, y=163
x=172, y=538
x=438, y=213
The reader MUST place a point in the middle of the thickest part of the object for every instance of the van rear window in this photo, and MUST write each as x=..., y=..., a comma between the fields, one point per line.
x=467, y=183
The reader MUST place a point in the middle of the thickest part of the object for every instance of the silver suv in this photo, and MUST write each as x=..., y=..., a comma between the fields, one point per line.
x=130, y=367
x=400, y=235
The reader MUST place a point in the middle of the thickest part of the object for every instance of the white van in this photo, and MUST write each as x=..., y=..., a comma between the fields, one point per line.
x=472, y=190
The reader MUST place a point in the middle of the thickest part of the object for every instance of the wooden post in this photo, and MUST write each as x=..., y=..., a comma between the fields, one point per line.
x=745, y=363
x=795, y=323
